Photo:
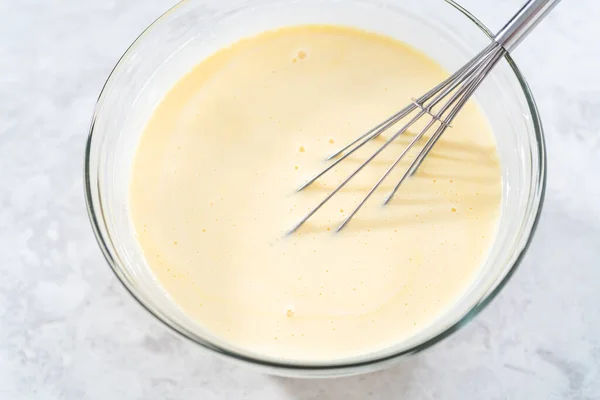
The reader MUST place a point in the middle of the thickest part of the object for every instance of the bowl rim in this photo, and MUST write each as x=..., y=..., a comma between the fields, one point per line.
x=290, y=368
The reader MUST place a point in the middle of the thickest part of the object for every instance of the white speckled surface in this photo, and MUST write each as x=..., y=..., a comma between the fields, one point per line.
x=68, y=329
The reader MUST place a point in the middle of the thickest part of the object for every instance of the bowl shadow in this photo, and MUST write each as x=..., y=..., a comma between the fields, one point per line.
x=391, y=383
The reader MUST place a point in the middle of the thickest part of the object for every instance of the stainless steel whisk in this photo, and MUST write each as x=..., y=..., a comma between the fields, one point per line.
x=450, y=95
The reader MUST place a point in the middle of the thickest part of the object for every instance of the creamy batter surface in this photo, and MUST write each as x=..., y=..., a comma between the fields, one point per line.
x=213, y=193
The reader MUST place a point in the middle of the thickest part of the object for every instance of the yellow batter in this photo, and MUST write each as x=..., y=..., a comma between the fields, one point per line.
x=213, y=192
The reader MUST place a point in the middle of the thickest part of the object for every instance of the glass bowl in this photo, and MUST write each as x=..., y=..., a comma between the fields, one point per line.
x=194, y=29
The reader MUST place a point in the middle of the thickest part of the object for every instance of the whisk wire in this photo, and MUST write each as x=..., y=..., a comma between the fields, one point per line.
x=428, y=147
x=470, y=77
x=460, y=97
x=459, y=87
x=463, y=97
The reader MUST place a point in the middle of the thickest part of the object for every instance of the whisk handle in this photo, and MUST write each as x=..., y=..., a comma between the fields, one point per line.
x=523, y=22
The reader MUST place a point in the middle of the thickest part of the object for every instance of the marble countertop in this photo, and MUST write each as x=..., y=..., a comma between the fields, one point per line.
x=68, y=329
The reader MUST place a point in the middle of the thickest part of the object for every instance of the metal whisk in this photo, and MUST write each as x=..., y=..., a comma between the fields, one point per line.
x=449, y=96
